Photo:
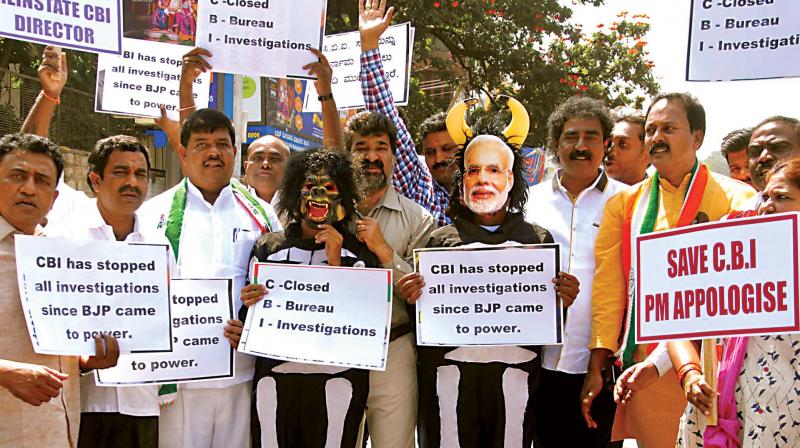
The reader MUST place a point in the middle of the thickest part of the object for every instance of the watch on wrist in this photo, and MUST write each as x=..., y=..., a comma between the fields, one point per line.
x=325, y=97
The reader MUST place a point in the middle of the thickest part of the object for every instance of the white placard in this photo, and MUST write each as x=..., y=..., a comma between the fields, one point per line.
x=145, y=75
x=743, y=39
x=489, y=296
x=86, y=25
x=200, y=311
x=332, y=316
x=344, y=54
x=73, y=290
x=261, y=37
x=728, y=278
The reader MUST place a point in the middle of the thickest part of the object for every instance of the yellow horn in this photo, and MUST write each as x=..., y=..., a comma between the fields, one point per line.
x=456, y=121
x=517, y=130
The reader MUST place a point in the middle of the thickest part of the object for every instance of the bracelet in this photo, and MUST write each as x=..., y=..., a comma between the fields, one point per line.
x=57, y=100
x=325, y=97
x=187, y=108
x=686, y=368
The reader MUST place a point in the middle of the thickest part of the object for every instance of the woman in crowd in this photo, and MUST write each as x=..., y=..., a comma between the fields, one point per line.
x=759, y=378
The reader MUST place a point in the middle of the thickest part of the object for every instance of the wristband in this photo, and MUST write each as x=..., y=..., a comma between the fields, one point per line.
x=56, y=100
x=187, y=108
x=325, y=97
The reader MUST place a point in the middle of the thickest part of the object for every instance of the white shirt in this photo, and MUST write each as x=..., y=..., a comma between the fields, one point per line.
x=216, y=241
x=142, y=401
x=68, y=202
x=574, y=227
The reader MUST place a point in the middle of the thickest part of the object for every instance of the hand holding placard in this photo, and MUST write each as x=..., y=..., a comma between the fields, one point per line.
x=53, y=72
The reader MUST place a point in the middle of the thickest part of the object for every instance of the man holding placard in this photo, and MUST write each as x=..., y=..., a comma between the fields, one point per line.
x=319, y=197
x=460, y=386
x=392, y=227
x=681, y=193
x=119, y=169
x=570, y=207
x=211, y=222
x=30, y=167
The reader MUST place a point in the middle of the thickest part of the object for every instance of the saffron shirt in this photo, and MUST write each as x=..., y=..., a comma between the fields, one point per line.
x=609, y=301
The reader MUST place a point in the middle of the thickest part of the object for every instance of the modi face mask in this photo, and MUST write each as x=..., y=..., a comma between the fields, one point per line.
x=319, y=200
x=487, y=177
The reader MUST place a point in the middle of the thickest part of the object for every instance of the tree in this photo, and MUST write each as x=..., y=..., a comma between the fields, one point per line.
x=523, y=48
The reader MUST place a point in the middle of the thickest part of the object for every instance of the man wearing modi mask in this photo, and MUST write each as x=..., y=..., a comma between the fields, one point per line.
x=474, y=396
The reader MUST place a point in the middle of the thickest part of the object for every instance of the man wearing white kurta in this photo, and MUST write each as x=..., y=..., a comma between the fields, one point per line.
x=118, y=173
x=212, y=223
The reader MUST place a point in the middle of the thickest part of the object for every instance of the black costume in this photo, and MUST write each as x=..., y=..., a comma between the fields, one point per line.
x=476, y=385
x=301, y=405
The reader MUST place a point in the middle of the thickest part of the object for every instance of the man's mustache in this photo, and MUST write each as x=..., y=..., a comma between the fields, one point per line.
x=763, y=168
x=366, y=164
x=126, y=188
x=442, y=164
x=577, y=154
x=659, y=145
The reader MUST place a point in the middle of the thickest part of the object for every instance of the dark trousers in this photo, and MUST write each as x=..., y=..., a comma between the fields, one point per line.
x=115, y=430
x=559, y=422
x=302, y=412
x=480, y=407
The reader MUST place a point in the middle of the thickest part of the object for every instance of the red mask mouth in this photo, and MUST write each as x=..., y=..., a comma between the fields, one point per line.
x=317, y=211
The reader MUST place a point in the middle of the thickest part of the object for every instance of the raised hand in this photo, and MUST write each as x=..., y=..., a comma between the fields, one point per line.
x=373, y=19
x=194, y=65
x=323, y=71
x=53, y=71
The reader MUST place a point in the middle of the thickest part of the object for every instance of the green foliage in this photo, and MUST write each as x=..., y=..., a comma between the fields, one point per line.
x=523, y=48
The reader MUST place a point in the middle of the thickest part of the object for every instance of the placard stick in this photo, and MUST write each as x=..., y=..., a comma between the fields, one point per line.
x=710, y=372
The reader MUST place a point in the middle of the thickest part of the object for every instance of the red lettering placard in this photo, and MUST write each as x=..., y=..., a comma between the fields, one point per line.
x=728, y=278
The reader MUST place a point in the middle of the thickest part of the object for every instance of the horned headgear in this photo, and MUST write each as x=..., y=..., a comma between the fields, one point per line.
x=515, y=133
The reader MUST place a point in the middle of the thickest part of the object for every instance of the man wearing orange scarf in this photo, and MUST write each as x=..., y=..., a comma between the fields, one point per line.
x=682, y=192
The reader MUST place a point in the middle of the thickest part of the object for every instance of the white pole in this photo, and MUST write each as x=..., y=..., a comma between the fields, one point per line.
x=239, y=123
